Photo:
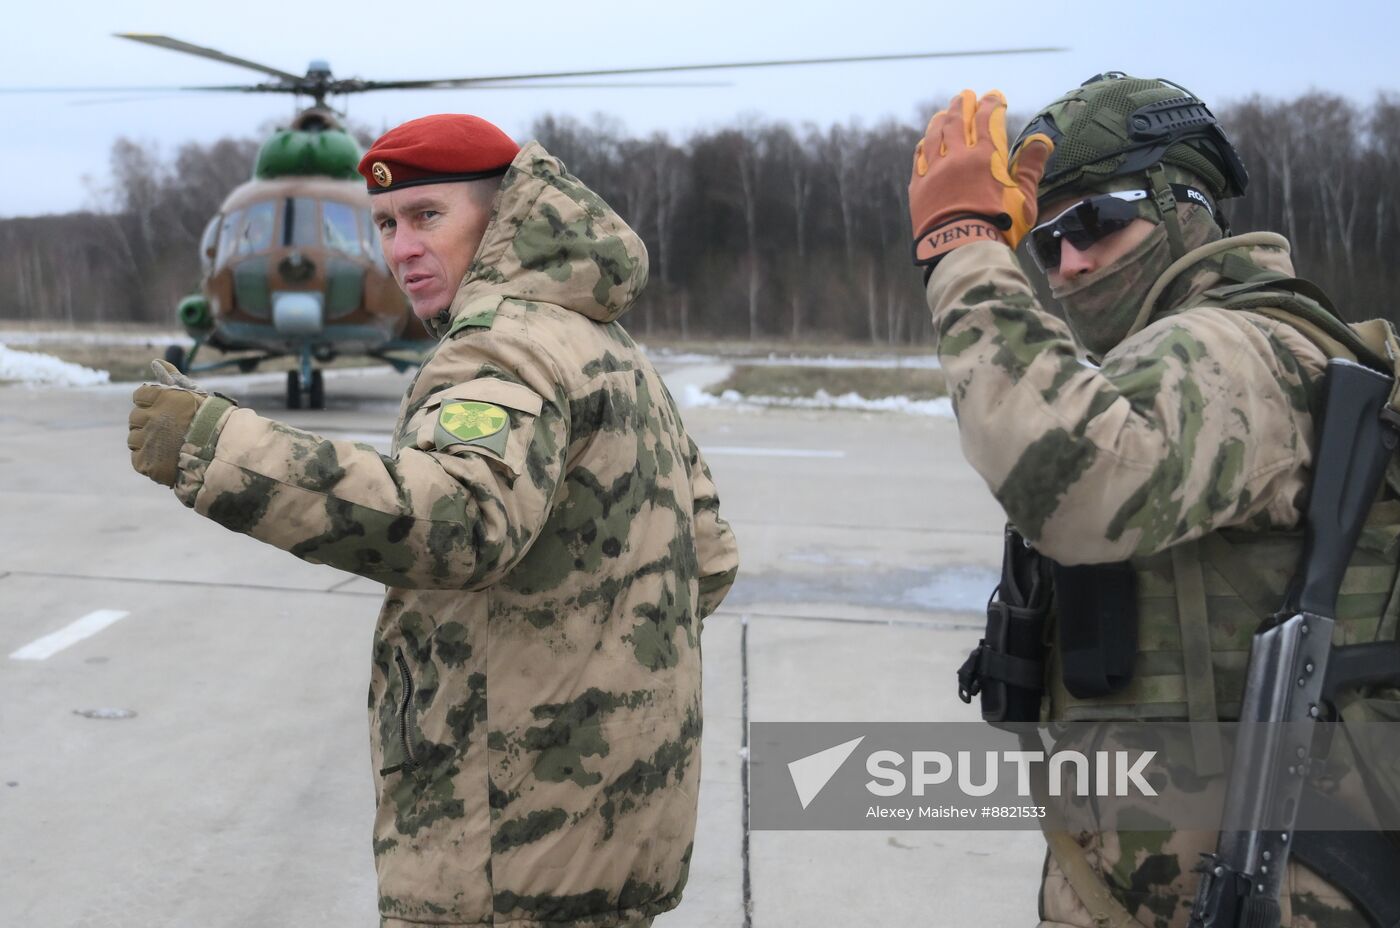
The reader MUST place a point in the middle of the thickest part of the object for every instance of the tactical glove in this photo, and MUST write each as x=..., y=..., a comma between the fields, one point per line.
x=161, y=419
x=963, y=188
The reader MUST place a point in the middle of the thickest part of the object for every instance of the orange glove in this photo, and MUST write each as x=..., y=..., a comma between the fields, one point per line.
x=963, y=189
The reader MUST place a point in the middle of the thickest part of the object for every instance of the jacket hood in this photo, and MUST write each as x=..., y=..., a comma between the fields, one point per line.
x=552, y=240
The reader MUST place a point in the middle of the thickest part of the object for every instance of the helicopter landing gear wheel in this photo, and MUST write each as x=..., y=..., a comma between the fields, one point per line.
x=293, y=390
x=318, y=390
x=175, y=355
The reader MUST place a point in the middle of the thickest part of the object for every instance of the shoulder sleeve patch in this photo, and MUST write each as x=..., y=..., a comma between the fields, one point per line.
x=486, y=415
x=473, y=423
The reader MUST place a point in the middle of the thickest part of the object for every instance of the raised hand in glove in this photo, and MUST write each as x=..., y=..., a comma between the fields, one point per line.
x=963, y=188
x=160, y=420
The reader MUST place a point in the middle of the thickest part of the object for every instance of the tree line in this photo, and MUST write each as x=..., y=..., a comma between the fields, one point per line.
x=755, y=230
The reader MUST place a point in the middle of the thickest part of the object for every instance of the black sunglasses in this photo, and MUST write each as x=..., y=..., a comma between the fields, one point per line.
x=1095, y=218
x=1083, y=224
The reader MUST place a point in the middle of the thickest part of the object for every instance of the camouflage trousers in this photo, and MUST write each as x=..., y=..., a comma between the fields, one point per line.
x=1152, y=875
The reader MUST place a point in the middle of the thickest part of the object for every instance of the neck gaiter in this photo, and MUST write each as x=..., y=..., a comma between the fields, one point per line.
x=1102, y=305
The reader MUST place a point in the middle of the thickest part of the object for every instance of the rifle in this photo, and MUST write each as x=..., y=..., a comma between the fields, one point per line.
x=1294, y=672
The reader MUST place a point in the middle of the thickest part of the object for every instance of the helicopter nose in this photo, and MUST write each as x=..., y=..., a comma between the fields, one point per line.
x=295, y=268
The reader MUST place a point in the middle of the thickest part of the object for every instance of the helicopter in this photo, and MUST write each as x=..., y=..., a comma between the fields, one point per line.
x=291, y=265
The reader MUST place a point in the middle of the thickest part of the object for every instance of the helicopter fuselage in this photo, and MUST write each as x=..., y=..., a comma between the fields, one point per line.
x=293, y=262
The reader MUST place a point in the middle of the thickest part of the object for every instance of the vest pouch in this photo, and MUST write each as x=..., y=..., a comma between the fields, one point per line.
x=1244, y=577
x=1096, y=606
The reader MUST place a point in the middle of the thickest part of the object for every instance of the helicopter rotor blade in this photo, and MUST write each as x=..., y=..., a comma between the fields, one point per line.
x=199, y=51
x=601, y=85
x=159, y=89
x=449, y=83
x=163, y=88
x=350, y=87
x=159, y=93
x=291, y=83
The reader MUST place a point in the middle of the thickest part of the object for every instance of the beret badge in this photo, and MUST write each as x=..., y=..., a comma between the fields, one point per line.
x=382, y=175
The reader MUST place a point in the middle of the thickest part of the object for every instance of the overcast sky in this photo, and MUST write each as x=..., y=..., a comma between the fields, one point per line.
x=56, y=146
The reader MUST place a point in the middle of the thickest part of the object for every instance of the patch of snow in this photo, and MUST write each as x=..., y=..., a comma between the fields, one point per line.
x=31, y=367
x=921, y=362
x=688, y=376
x=235, y=382
x=942, y=407
x=78, y=336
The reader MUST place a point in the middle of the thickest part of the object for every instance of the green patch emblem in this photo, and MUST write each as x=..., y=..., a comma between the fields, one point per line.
x=469, y=421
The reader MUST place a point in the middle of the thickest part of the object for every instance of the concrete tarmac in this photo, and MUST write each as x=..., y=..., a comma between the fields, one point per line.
x=202, y=759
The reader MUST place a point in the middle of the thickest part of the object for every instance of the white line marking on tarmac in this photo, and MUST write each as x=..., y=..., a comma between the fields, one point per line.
x=49, y=645
x=773, y=452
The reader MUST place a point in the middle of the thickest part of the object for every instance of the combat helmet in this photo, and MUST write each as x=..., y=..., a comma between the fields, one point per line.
x=1115, y=125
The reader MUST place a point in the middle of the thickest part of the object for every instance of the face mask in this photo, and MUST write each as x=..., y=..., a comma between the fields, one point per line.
x=1102, y=305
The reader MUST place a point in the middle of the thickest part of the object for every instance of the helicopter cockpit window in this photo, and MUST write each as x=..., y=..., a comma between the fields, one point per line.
x=299, y=223
x=256, y=233
x=227, y=230
x=339, y=230
x=206, y=244
x=370, y=239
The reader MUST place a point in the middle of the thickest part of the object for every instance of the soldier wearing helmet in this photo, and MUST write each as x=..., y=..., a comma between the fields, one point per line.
x=1176, y=463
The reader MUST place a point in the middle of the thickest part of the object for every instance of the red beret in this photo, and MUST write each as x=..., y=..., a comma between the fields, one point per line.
x=436, y=150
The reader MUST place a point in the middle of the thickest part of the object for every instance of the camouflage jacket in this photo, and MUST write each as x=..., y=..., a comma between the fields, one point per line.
x=550, y=538
x=1198, y=422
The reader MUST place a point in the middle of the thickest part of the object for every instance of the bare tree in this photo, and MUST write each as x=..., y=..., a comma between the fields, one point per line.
x=841, y=152
x=793, y=157
x=747, y=150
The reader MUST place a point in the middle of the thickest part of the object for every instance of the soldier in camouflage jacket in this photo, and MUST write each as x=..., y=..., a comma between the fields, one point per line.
x=1196, y=417
x=550, y=540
